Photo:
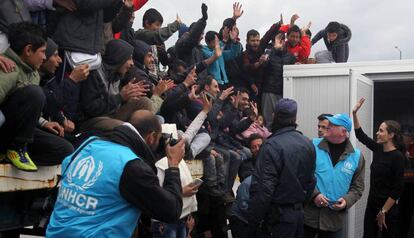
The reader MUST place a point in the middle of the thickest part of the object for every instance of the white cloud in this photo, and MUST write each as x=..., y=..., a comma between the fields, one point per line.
x=377, y=26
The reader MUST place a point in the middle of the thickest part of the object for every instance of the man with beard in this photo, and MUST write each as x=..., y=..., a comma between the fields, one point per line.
x=110, y=181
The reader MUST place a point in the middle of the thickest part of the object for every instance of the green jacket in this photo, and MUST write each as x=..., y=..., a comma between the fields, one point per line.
x=157, y=37
x=23, y=76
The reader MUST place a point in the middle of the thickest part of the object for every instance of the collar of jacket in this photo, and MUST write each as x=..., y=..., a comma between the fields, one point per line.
x=349, y=149
x=128, y=136
x=285, y=130
x=19, y=62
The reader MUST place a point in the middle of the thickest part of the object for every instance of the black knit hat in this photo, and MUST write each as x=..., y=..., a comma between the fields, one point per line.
x=117, y=53
x=51, y=48
x=140, y=50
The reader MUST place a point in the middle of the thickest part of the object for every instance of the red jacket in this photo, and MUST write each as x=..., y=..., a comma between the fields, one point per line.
x=302, y=50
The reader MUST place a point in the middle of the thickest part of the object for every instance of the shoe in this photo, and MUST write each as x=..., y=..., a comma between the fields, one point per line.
x=20, y=158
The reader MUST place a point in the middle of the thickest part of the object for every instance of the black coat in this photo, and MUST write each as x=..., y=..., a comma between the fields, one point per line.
x=96, y=98
x=284, y=173
x=188, y=41
x=273, y=70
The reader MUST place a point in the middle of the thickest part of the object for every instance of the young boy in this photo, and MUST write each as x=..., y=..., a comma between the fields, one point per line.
x=154, y=34
x=21, y=99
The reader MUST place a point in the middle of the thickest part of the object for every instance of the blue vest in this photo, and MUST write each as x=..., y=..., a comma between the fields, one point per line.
x=89, y=203
x=334, y=182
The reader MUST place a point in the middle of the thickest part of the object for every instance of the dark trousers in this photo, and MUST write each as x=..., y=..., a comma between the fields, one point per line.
x=22, y=111
x=290, y=225
x=309, y=232
x=48, y=149
x=406, y=208
x=239, y=229
x=371, y=229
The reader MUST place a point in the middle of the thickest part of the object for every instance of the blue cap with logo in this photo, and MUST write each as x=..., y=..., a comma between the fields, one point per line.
x=341, y=119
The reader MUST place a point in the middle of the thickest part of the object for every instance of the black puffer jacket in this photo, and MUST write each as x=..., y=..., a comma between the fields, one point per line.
x=12, y=11
x=82, y=30
x=284, y=173
x=273, y=70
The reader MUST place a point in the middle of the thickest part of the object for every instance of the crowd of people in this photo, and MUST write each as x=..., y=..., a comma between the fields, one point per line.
x=80, y=87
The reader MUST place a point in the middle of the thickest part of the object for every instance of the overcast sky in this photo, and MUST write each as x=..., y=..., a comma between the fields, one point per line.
x=377, y=25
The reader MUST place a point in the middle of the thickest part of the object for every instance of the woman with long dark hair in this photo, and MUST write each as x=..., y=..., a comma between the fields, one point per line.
x=387, y=177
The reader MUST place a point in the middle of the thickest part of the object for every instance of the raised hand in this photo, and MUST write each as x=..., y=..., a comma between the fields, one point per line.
x=178, y=19
x=293, y=19
x=207, y=103
x=253, y=106
x=129, y=3
x=175, y=153
x=193, y=96
x=204, y=9
x=358, y=105
x=237, y=10
x=235, y=100
x=162, y=87
x=191, y=78
x=306, y=28
x=224, y=95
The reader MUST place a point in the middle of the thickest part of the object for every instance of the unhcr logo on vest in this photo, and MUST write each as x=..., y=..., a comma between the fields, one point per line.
x=83, y=173
x=347, y=168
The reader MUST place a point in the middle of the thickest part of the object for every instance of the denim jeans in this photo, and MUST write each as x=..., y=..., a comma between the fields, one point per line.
x=164, y=230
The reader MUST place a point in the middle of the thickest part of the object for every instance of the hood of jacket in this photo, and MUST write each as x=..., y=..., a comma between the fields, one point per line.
x=140, y=50
x=128, y=136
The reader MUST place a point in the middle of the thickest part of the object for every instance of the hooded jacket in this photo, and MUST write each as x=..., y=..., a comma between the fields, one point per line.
x=339, y=47
x=24, y=75
x=99, y=94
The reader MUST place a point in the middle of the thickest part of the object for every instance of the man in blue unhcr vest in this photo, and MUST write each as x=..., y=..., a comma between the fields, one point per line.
x=113, y=180
x=340, y=170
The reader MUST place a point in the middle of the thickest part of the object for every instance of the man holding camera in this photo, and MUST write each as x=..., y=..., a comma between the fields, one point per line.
x=110, y=181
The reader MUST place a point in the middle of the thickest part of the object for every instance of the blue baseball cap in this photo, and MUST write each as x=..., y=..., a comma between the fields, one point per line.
x=341, y=119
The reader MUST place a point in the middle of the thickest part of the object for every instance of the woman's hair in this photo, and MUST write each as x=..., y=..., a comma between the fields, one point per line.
x=395, y=128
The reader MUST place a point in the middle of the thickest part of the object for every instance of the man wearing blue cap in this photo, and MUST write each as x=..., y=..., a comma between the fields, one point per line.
x=283, y=178
x=340, y=170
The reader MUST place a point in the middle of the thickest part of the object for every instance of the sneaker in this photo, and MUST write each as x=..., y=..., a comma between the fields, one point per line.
x=20, y=158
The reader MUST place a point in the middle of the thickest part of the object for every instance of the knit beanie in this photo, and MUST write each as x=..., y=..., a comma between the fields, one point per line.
x=51, y=48
x=117, y=53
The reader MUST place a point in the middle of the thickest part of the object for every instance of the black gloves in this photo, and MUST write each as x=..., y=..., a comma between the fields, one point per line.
x=204, y=11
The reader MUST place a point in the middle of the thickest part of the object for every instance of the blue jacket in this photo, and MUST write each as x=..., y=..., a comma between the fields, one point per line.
x=334, y=181
x=89, y=203
x=217, y=68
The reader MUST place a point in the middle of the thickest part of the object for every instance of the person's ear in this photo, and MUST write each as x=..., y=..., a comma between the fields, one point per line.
x=28, y=50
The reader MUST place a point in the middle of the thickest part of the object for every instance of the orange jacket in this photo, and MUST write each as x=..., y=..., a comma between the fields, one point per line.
x=302, y=50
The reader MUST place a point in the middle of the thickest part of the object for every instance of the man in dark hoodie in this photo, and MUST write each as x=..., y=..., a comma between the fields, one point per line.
x=111, y=196
x=101, y=94
x=336, y=37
